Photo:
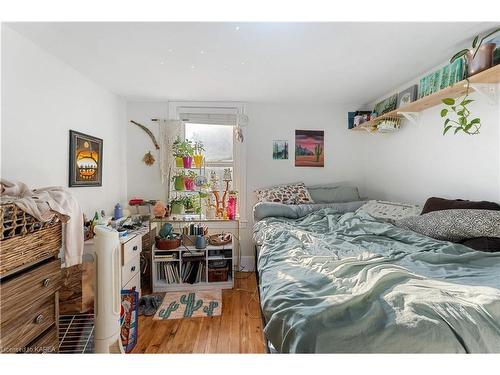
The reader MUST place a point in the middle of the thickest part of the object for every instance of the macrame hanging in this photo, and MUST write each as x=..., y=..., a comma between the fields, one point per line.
x=170, y=130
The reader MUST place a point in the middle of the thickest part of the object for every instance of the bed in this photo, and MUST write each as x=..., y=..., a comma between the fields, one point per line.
x=333, y=282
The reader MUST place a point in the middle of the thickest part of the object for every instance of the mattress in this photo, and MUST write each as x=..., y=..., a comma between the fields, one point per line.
x=336, y=283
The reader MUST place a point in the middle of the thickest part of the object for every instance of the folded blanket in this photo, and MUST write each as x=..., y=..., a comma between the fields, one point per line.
x=43, y=204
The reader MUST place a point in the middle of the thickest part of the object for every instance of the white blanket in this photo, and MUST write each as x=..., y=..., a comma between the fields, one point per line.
x=43, y=204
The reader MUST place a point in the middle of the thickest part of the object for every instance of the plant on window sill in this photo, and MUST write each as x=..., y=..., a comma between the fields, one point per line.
x=461, y=113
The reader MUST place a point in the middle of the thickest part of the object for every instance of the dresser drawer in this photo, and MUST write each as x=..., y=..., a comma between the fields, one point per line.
x=47, y=342
x=135, y=282
x=131, y=248
x=23, y=291
x=130, y=269
x=18, y=332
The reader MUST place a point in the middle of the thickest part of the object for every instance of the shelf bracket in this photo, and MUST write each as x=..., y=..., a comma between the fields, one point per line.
x=410, y=116
x=486, y=90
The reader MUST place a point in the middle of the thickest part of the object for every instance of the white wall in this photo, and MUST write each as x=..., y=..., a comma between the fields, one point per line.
x=418, y=161
x=144, y=181
x=42, y=99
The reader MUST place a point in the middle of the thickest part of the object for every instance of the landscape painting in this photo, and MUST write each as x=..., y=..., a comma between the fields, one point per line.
x=280, y=150
x=309, y=148
x=85, y=160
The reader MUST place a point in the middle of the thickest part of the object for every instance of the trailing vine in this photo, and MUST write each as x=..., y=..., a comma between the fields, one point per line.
x=460, y=115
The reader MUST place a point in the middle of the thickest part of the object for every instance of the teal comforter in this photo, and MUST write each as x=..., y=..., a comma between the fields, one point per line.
x=349, y=283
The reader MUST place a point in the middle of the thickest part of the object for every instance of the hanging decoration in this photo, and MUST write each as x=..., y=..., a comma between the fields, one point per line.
x=241, y=121
x=148, y=158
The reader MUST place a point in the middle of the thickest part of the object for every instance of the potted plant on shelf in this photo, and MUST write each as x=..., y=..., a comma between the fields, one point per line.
x=480, y=56
x=178, y=178
x=189, y=180
x=177, y=206
x=177, y=152
x=198, y=153
x=187, y=151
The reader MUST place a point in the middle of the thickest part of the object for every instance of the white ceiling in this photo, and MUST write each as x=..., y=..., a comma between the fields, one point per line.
x=256, y=62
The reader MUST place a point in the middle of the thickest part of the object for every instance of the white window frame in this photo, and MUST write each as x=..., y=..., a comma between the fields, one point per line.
x=239, y=149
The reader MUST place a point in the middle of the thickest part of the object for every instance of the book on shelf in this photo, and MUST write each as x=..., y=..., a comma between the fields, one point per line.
x=169, y=272
x=193, y=272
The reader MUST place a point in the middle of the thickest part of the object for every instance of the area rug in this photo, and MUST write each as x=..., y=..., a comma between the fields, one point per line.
x=180, y=305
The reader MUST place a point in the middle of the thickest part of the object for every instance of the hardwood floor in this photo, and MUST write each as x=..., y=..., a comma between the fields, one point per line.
x=237, y=330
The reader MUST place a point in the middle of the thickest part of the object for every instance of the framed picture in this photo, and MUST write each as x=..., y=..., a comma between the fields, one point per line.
x=280, y=150
x=407, y=96
x=309, y=148
x=85, y=160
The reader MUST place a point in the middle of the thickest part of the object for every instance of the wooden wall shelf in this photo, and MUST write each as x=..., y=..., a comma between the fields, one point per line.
x=490, y=76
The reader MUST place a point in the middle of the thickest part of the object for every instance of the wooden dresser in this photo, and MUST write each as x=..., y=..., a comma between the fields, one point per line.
x=30, y=278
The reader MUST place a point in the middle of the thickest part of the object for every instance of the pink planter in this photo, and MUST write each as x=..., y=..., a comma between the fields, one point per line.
x=188, y=183
x=187, y=161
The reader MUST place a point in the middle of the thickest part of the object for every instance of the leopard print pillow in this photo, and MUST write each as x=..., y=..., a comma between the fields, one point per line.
x=454, y=225
x=286, y=194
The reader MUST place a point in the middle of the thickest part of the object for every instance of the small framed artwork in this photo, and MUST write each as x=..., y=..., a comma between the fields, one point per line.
x=407, y=96
x=280, y=150
x=309, y=148
x=85, y=160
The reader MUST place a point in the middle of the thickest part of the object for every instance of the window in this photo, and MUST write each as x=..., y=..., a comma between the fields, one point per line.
x=218, y=141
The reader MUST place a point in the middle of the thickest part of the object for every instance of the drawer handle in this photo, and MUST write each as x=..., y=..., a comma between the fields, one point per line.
x=39, y=319
x=46, y=282
x=134, y=248
x=132, y=269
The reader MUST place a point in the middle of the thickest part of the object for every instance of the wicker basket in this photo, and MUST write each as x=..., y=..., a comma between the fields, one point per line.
x=219, y=240
x=24, y=239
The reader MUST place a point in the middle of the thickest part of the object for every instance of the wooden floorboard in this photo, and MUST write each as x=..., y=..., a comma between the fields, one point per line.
x=237, y=330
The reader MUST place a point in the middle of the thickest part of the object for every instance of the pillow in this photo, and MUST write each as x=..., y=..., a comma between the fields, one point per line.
x=455, y=225
x=286, y=194
x=390, y=211
x=333, y=193
x=439, y=204
x=489, y=244
x=270, y=209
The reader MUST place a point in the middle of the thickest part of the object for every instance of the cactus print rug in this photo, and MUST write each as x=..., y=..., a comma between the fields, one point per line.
x=180, y=305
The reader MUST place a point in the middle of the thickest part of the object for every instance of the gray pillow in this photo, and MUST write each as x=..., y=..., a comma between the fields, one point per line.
x=267, y=209
x=330, y=193
x=454, y=225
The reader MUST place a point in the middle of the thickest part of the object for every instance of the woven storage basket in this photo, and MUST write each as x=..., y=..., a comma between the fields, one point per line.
x=24, y=239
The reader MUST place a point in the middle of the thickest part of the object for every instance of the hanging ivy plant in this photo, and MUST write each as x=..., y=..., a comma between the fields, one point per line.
x=458, y=114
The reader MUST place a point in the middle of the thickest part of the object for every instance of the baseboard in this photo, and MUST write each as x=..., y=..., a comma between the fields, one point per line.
x=247, y=264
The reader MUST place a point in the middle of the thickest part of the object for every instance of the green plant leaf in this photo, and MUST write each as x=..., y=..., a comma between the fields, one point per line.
x=475, y=121
x=444, y=112
x=458, y=55
x=474, y=42
x=446, y=128
x=462, y=121
x=467, y=127
x=460, y=113
x=458, y=129
x=447, y=121
x=466, y=101
x=449, y=101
